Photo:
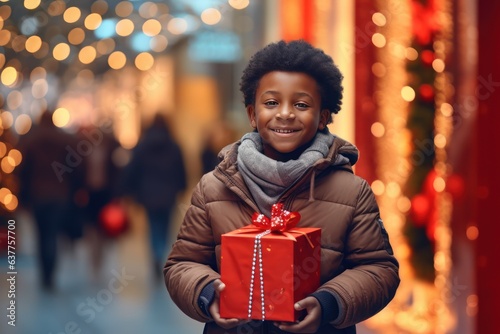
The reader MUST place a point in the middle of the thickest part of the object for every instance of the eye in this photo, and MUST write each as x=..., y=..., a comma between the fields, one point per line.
x=301, y=105
x=271, y=103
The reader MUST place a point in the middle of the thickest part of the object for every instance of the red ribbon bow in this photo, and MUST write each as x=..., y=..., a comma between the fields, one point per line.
x=281, y=220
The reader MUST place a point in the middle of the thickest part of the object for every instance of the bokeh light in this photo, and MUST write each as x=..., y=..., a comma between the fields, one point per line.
x=211, y=16
x=9, y=76
x=151, y=27
x=61, y=117
x=23, y=124
x=61, y=51
x=33, y=44
x=239, y=4
x=31, y=4
x=93, y=21
x=87, y=54
x=117, y=60
x=144, y=61
x=72, y=14
x=125, y=27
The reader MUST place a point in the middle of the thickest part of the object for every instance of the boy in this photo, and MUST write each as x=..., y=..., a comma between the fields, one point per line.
x=290, y=92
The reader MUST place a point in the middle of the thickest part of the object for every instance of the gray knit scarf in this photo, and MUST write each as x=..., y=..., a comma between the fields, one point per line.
x=268, y=179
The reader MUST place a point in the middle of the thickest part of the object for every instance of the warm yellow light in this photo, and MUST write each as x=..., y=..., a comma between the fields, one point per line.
x=158, y=43
x=61, y=51
x=1, y=23
x=72, y=14
x=76, y=36
x=60, y=117
x=93, y=21
x=4, y=192
x=144, y=61
x=378, y=187
x=211, y=16
x=33, y=44
x=239, y=4
x=16, y=156
x=407, y=93
x=151, y=27
x=177, y=26
x=31, y=4
x=124, y=27
x=7, y=165
x=439, y=184
x=5, y=36
x=117, y=60
x=377, y=129
x=7, y=119
x=56, y=8
x=9, y=76
x=379, y=19
x=2, y=60
x=447, y=109
x=440, y=140
x=438, y=65
x=124, y=9
x=12, y=204
x=378, y=40
x=23, y=124
x=472, y=233
x=87, y=54
x=3, y=149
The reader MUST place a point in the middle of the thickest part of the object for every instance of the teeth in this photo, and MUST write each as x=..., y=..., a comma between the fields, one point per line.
x=283, y=131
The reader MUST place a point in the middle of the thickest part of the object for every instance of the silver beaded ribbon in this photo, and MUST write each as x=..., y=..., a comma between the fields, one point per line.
x=257, y=256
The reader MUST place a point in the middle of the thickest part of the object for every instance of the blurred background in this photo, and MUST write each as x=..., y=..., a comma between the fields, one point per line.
x=93, y=93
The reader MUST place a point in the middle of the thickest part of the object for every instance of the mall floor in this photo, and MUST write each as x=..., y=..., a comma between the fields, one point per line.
x=124, y=298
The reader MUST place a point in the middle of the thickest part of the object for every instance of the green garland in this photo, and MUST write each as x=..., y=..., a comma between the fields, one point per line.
x=420, y=221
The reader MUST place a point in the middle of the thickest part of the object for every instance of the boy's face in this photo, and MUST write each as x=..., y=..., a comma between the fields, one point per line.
x=287, y=113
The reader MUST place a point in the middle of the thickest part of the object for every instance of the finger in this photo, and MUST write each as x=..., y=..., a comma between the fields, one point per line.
x=298, y=306
x=218, y=286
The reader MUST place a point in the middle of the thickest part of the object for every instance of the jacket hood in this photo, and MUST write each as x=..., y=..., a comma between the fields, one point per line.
x=342, y=153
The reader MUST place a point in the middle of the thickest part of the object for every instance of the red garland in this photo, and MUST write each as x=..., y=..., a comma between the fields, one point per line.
x=426, y=22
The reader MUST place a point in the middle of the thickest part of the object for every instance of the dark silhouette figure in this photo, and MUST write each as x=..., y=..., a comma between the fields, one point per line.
x=101, y=177
x=155, y=176
x=50, y=175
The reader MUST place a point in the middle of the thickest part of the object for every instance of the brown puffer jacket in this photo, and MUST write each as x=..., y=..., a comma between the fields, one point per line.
x=357, y=263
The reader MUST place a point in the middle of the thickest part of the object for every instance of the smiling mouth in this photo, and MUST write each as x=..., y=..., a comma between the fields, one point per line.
x=284, y=130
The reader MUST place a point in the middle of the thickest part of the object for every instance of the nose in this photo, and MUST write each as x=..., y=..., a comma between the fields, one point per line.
x=285, y=113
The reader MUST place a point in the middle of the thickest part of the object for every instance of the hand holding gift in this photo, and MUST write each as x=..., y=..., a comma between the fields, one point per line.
x=214, y=309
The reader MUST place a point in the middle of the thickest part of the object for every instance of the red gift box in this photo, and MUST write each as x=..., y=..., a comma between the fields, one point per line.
x=290, y=268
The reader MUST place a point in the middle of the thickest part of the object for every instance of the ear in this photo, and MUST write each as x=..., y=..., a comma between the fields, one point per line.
x=251, y=115
x=323, y=118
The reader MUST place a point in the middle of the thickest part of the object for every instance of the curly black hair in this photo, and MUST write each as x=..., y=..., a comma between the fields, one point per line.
x=295, y=56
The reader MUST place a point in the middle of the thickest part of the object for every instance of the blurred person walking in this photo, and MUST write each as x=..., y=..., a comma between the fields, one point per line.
x=50, y=176
x=155, y=176
x=101, y=177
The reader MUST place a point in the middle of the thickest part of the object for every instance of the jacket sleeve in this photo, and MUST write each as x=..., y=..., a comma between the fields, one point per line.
x=192, y=261
x=371, y=277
